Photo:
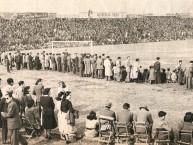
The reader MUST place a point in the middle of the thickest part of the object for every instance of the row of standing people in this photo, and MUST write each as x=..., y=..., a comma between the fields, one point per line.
x=86, y=65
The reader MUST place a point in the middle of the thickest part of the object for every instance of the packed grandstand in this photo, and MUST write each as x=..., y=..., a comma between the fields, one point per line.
x=38, y=33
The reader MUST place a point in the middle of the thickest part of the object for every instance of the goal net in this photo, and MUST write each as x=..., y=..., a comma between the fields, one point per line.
x=72, y=46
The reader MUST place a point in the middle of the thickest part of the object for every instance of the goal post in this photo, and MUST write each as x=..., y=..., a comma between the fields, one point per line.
x=73, y=46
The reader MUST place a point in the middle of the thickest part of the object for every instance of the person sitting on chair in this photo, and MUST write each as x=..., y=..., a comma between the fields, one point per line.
x=108, y=115
x=187, y=123
x=162, y=125
x=143, y=115
x=126, y=116
x=91, y=125
x=107, y=112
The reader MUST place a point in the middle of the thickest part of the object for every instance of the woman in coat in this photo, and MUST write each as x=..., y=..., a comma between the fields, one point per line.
x=87, y=63
x=108, y=68
x=180, y=73
x=135, y=69
x=48, y=119
x=128, y=69
x=27, y=95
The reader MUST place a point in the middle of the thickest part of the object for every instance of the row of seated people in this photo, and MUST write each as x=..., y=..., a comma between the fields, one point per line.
x=134, y=126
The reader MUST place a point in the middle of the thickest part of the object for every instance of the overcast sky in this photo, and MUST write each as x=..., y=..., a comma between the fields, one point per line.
x=65, y=7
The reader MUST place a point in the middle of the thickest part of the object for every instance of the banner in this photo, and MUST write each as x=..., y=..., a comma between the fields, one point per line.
x=91, y=14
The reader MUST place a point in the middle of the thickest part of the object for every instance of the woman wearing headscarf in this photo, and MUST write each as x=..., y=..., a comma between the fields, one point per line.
x=67, y=111
x=48, y=120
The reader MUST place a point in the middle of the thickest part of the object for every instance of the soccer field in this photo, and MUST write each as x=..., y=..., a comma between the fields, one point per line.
x=91, y=94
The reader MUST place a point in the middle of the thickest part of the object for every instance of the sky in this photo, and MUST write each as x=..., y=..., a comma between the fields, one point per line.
x=65, y=7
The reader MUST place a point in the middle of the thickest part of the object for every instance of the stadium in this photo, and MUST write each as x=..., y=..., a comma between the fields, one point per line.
x=82, y=36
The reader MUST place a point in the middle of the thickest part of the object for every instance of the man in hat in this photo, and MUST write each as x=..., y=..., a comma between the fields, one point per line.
x=107, y=112
x=189, y=74
x=143, y=115
x=157, y=67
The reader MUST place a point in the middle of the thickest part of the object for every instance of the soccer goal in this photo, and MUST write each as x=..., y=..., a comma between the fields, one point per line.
x=72, y=46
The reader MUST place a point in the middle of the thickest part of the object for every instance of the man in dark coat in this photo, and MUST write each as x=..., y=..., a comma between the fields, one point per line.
x=65, y=61
x=59, y=62
x=37, y=61
x=30, y=59
x=18, y=60
x=189, y=74
x=53, y=60
x=94, y=66
x=81, y=65
x=69, y=63
x=157, y=67
x=76, y=63
x=62, y=62
x=13, y=121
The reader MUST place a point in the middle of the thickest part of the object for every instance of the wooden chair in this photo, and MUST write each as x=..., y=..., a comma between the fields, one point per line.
x=106, y=130
x=162, y=136
x=140, y=132
x=185, y=137
x=122, y=133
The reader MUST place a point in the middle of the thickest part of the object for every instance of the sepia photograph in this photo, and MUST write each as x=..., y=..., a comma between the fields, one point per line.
x=96, y=72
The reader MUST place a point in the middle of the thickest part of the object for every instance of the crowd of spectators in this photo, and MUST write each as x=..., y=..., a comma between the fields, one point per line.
x=37, y=33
